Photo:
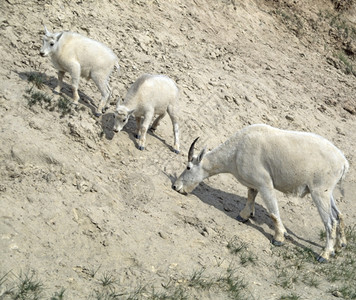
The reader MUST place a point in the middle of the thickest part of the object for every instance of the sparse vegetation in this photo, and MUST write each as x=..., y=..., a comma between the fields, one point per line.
x=348, y=67
x=64, y=106
x=73, y=201
x=240, y=248
x=36, y=79
x=340, y=31
x=107, y=280
x=37, y=97
x=296, y=266
x=58, y=295
x=290, y=297
x=27, y=286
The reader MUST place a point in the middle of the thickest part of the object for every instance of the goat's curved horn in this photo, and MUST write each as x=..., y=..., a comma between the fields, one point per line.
x=191, y=150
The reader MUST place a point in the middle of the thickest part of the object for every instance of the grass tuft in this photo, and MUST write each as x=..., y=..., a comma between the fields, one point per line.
x=65, y=106
x=58, y=295
x=35, y=96
x=290, y=297
x=36, y=79
x=28, y=287
x=239, y=248
x=107, y=280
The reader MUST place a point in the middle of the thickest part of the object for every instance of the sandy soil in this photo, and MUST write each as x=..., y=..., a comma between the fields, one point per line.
x=78, y=201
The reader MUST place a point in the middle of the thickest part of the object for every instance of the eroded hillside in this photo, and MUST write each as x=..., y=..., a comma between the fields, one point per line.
x=85, y=212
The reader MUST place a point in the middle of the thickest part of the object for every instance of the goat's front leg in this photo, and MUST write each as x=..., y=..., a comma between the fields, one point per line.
x=249, y=209
x=138, y=127
x=58, y=88
x=143, y=129
x=269, y=197
x=75, y=74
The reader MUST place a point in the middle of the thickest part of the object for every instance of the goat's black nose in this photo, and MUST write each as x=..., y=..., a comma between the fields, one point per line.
x=174, y=187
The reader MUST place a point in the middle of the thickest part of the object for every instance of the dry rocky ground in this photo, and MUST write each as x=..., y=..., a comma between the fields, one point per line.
x=85, y=212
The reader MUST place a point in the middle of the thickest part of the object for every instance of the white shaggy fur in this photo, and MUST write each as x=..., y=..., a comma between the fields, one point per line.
x=264, y=158
x=148, y=96
x=81, y=57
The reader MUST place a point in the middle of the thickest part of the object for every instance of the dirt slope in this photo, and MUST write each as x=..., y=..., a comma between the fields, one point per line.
x=79, y=202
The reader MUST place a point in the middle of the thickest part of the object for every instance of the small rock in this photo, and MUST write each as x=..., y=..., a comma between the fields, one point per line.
x=162, y=235
x=228, y=207
x=289, y=118
x=337, y=294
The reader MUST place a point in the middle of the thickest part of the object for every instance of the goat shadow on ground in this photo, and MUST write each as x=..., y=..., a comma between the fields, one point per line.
x=163, y=141
x=131, y=129
x=52, y=82
x=232, y=204
x=107, y=123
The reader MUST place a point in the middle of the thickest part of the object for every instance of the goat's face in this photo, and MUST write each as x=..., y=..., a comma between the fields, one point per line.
x=121, y=115
x=193, y=174
x=50, y=42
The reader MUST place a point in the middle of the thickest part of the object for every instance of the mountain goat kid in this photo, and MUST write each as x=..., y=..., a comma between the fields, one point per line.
x=81, y=57
x=264, y=158
x=148, y=96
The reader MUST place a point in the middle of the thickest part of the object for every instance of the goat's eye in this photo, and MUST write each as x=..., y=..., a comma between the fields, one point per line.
x=51, y=44
x=124, y=120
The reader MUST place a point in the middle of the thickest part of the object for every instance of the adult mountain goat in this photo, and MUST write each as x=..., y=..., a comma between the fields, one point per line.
x=148, y=96
x=81, y=57
x=264, y=158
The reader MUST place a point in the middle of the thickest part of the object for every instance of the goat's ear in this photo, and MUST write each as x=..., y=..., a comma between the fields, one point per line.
x=58, y=36
x=46, y=31
x=119, y=101
x=131, y=112
x=201, y=155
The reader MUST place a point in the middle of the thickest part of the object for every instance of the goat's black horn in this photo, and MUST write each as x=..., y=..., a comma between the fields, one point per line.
x=191, y=150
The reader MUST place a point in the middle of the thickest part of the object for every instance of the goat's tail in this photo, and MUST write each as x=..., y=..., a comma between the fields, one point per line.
x=345, y=168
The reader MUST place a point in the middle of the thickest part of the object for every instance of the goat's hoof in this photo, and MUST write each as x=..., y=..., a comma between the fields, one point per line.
x=153, y=129
x=321, y=259
x=137, y=136
x=277, y=243
x=241, y=219
x=176, y=151
x=343, y=245
x=97, y=114
x=141, y=148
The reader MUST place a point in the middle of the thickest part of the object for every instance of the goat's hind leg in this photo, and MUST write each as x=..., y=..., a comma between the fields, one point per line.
x=174, y=118
x=249, y=209
x=105, y=90
x=156, y=122
x=340, y=229
x=324, y=204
